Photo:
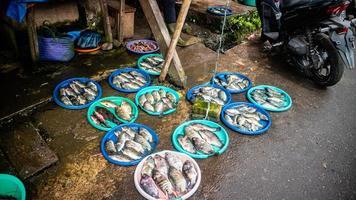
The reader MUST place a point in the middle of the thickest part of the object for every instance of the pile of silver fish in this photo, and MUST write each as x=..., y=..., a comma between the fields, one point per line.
x=167, y=175
x=231, y=82
x=269, y=98
x=158, y=101
x=102, y=115
x=130, y=80
x=152, y=64
x=245, y=117
x=132, y=144
x=200, y=138
x=210, y=94
x=78, y=93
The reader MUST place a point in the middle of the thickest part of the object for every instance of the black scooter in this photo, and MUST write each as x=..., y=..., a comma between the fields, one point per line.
x=314, y=35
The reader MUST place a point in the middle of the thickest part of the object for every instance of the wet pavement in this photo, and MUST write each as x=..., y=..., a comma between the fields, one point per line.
x=308, y=153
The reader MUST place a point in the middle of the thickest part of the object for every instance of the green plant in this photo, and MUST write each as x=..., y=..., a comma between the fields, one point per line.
x=237, y=27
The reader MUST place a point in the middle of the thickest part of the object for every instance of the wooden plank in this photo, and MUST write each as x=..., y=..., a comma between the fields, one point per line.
x=26, y=150
x=32, y=34
x=106, y=21
x=121, y=21
x=178, y=30
x=161, y=34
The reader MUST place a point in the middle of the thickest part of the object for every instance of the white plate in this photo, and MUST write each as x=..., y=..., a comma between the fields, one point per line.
x=183, y=157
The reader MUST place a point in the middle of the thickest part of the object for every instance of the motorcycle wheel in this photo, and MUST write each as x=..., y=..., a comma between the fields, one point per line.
x=332, y=70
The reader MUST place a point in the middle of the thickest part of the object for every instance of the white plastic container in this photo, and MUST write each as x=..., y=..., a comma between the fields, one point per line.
x=183, y=157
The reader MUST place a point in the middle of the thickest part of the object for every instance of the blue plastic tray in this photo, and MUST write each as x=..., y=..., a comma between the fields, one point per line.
x=112, y=136
x=266, y=124
x=222, y=135
x=190, y=97
x=212, y=8
x=222, y=74
x=152, y=88
x=123, y=70
x=140, y=52
x=288, y=98
x=65, y=84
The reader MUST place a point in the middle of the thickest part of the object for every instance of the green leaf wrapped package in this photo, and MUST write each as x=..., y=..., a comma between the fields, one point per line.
x=201, y=108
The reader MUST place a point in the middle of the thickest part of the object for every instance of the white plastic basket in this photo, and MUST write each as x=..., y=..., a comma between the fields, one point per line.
x=183, y=157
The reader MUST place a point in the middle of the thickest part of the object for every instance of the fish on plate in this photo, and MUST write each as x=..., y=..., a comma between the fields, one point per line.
x=132, y=80
x=231, y=81
x=152, y=64
x=158, y=101
x=127, y=148
x=269, y=98
x=198, y=137
x=78, y=93
x=172, y=177
x=245, y=117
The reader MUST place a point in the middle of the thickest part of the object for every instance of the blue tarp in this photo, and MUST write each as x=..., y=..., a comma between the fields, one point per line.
x=17, y=9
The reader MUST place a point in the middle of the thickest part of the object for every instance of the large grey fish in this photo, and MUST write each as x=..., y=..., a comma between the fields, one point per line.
x=159, y=106
x=200, y=127
x=120, y=158
x=148, y=106
x=149, y=186
x=142, y=99
x=150, y=98
x=129, y=131
x=124, y=111
x=174, y=161
x=133, y=155
x=211, y=138
x=171, y=97
x=163, y=183
x=142, y=140
x=148, y=166
x=156, y=96
x=66, y=100
x=135, y=146
x=146, y=134
x=202, y=146
x=161, y=164
x=186, y=144
x=110, y=147
x=190, y=173
x=92, y=86
x=178, y=179
x=79, y=84
x=121, y=140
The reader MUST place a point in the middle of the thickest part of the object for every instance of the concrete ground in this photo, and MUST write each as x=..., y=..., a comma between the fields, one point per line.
x=309, y=152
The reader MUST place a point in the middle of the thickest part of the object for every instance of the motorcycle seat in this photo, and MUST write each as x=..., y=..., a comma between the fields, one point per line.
x=290, y=4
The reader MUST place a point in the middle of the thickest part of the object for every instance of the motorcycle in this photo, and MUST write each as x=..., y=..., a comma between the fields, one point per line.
x=313, y=34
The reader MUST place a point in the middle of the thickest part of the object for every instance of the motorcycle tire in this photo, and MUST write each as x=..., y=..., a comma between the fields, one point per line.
x=336, y=64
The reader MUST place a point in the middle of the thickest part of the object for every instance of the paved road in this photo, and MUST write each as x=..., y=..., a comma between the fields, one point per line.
x=309, y=153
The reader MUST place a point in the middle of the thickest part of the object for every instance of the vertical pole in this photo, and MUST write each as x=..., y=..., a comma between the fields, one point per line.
x=172, y=46
x=106, y=20
x=32, y=34
x=121, y=21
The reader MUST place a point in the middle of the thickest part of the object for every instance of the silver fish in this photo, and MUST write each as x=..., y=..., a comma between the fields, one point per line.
x=79, y=84
x=163, y=183
x=202, y=146
x=120, y=158
x=92, y=86
x=129, y=131
x=121, y=141
x=146, y=134
x=108, y=104
x=150, y=98
x=186, y=144
x=162, y=93
x=200, y=127
x=66, y=100
x=75, y=88
x=130, y=154
x=174, y=161
x=148, y=166
x=178, y=179
x=211, y=138
x=159, y=107
x=142, y=99
x=110, y=147
x=124, y=111
x=171, y=97
x=161, y=165
x=148, y=106
x=135, y=146
x=156, y=96
x=190, y=173
x=81, y=99
x=158, y=59
x=142, y=140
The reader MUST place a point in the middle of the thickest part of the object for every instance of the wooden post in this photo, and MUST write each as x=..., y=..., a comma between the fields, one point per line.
x=106, y=20
x=172, y=46
x=121, y=21
x=32, y=34
x=161, y=34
